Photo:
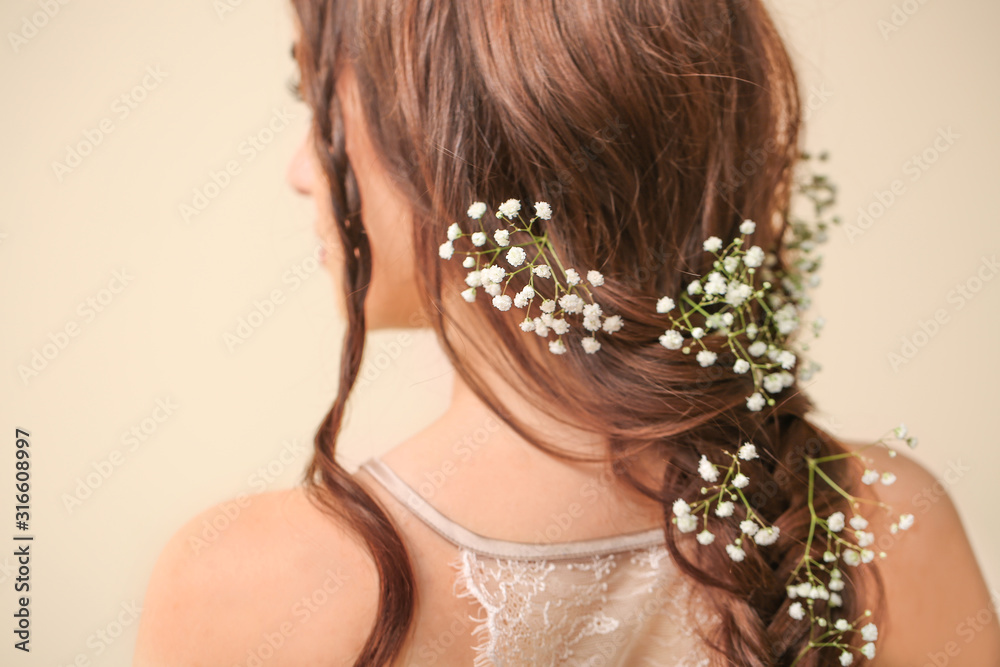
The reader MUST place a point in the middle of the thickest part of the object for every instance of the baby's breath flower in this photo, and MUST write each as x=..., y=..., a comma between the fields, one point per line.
x=870, y=477
x=493, y=289
x=687, y=523
x=613, y=323
x=572, y=277
x=869, y=633
x=705, y=538
x=502, y=237
x=476, y=210
x=797, y=611
x=494, y=274
x=706, y=358
x=560, y=326
x=712, y=244
x=697, y=333
x=454, y=231
x=509, y=208
x=786, y=359
x=748, y=452
x=665, y=305
x=590, y=344
x=479, y=239
x=716, y=284
x=707, y=470
x=740, y=481
x=502, y=302
x=541, y=328
x=773, y=383
x=571, y=303
x=680, y=507
x=446, y=249
x=592, y=322
x=868, y=650
x=548, y=306
x=858, y=522
x=724, y=509
x=754, y=257
x=515, y=256
x=767, y=536
x=672, y=340
x=557, y=346
x=749, y=527
x=528, y=325
x=905, y=521
x=592, y=310
x=758, y=348
x=474, y=279
x=543, y=210
x=851, y=557
x=595, y=278
x=735, y=552
x=468, y=262
x=737, y=293
x=741, y=366
x=846, y=658
x=888, y=478
x=755, y=402
x=469, y=295
x=835, y=522
x=542, y=271
x=747, y=227
x=694, y=288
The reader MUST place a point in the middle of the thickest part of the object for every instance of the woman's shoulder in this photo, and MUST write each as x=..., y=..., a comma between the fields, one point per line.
x=267, y=576
x=938, y=605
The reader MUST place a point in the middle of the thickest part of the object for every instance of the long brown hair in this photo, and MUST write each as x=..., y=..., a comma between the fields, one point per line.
x=648, y=126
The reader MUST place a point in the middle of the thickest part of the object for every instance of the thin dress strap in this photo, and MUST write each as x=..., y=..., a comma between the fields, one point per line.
x=489, y=546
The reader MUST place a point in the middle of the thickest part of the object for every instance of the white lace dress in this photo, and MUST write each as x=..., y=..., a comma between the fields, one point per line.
x=604, y=602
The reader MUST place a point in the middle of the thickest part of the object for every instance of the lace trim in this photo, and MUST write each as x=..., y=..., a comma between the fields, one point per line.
x=538, y=613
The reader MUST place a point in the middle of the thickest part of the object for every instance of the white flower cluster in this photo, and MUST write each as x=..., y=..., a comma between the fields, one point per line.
x=723, y=495
x=533, y=255
x=724, y=300
x=848, y=542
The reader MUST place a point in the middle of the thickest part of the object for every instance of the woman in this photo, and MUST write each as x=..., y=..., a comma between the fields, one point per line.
x=537, y=520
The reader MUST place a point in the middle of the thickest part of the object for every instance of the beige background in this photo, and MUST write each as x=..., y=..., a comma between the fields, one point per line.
x=876, y=101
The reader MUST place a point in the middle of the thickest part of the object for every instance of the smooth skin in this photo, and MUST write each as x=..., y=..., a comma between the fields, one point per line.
x=286, y=582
